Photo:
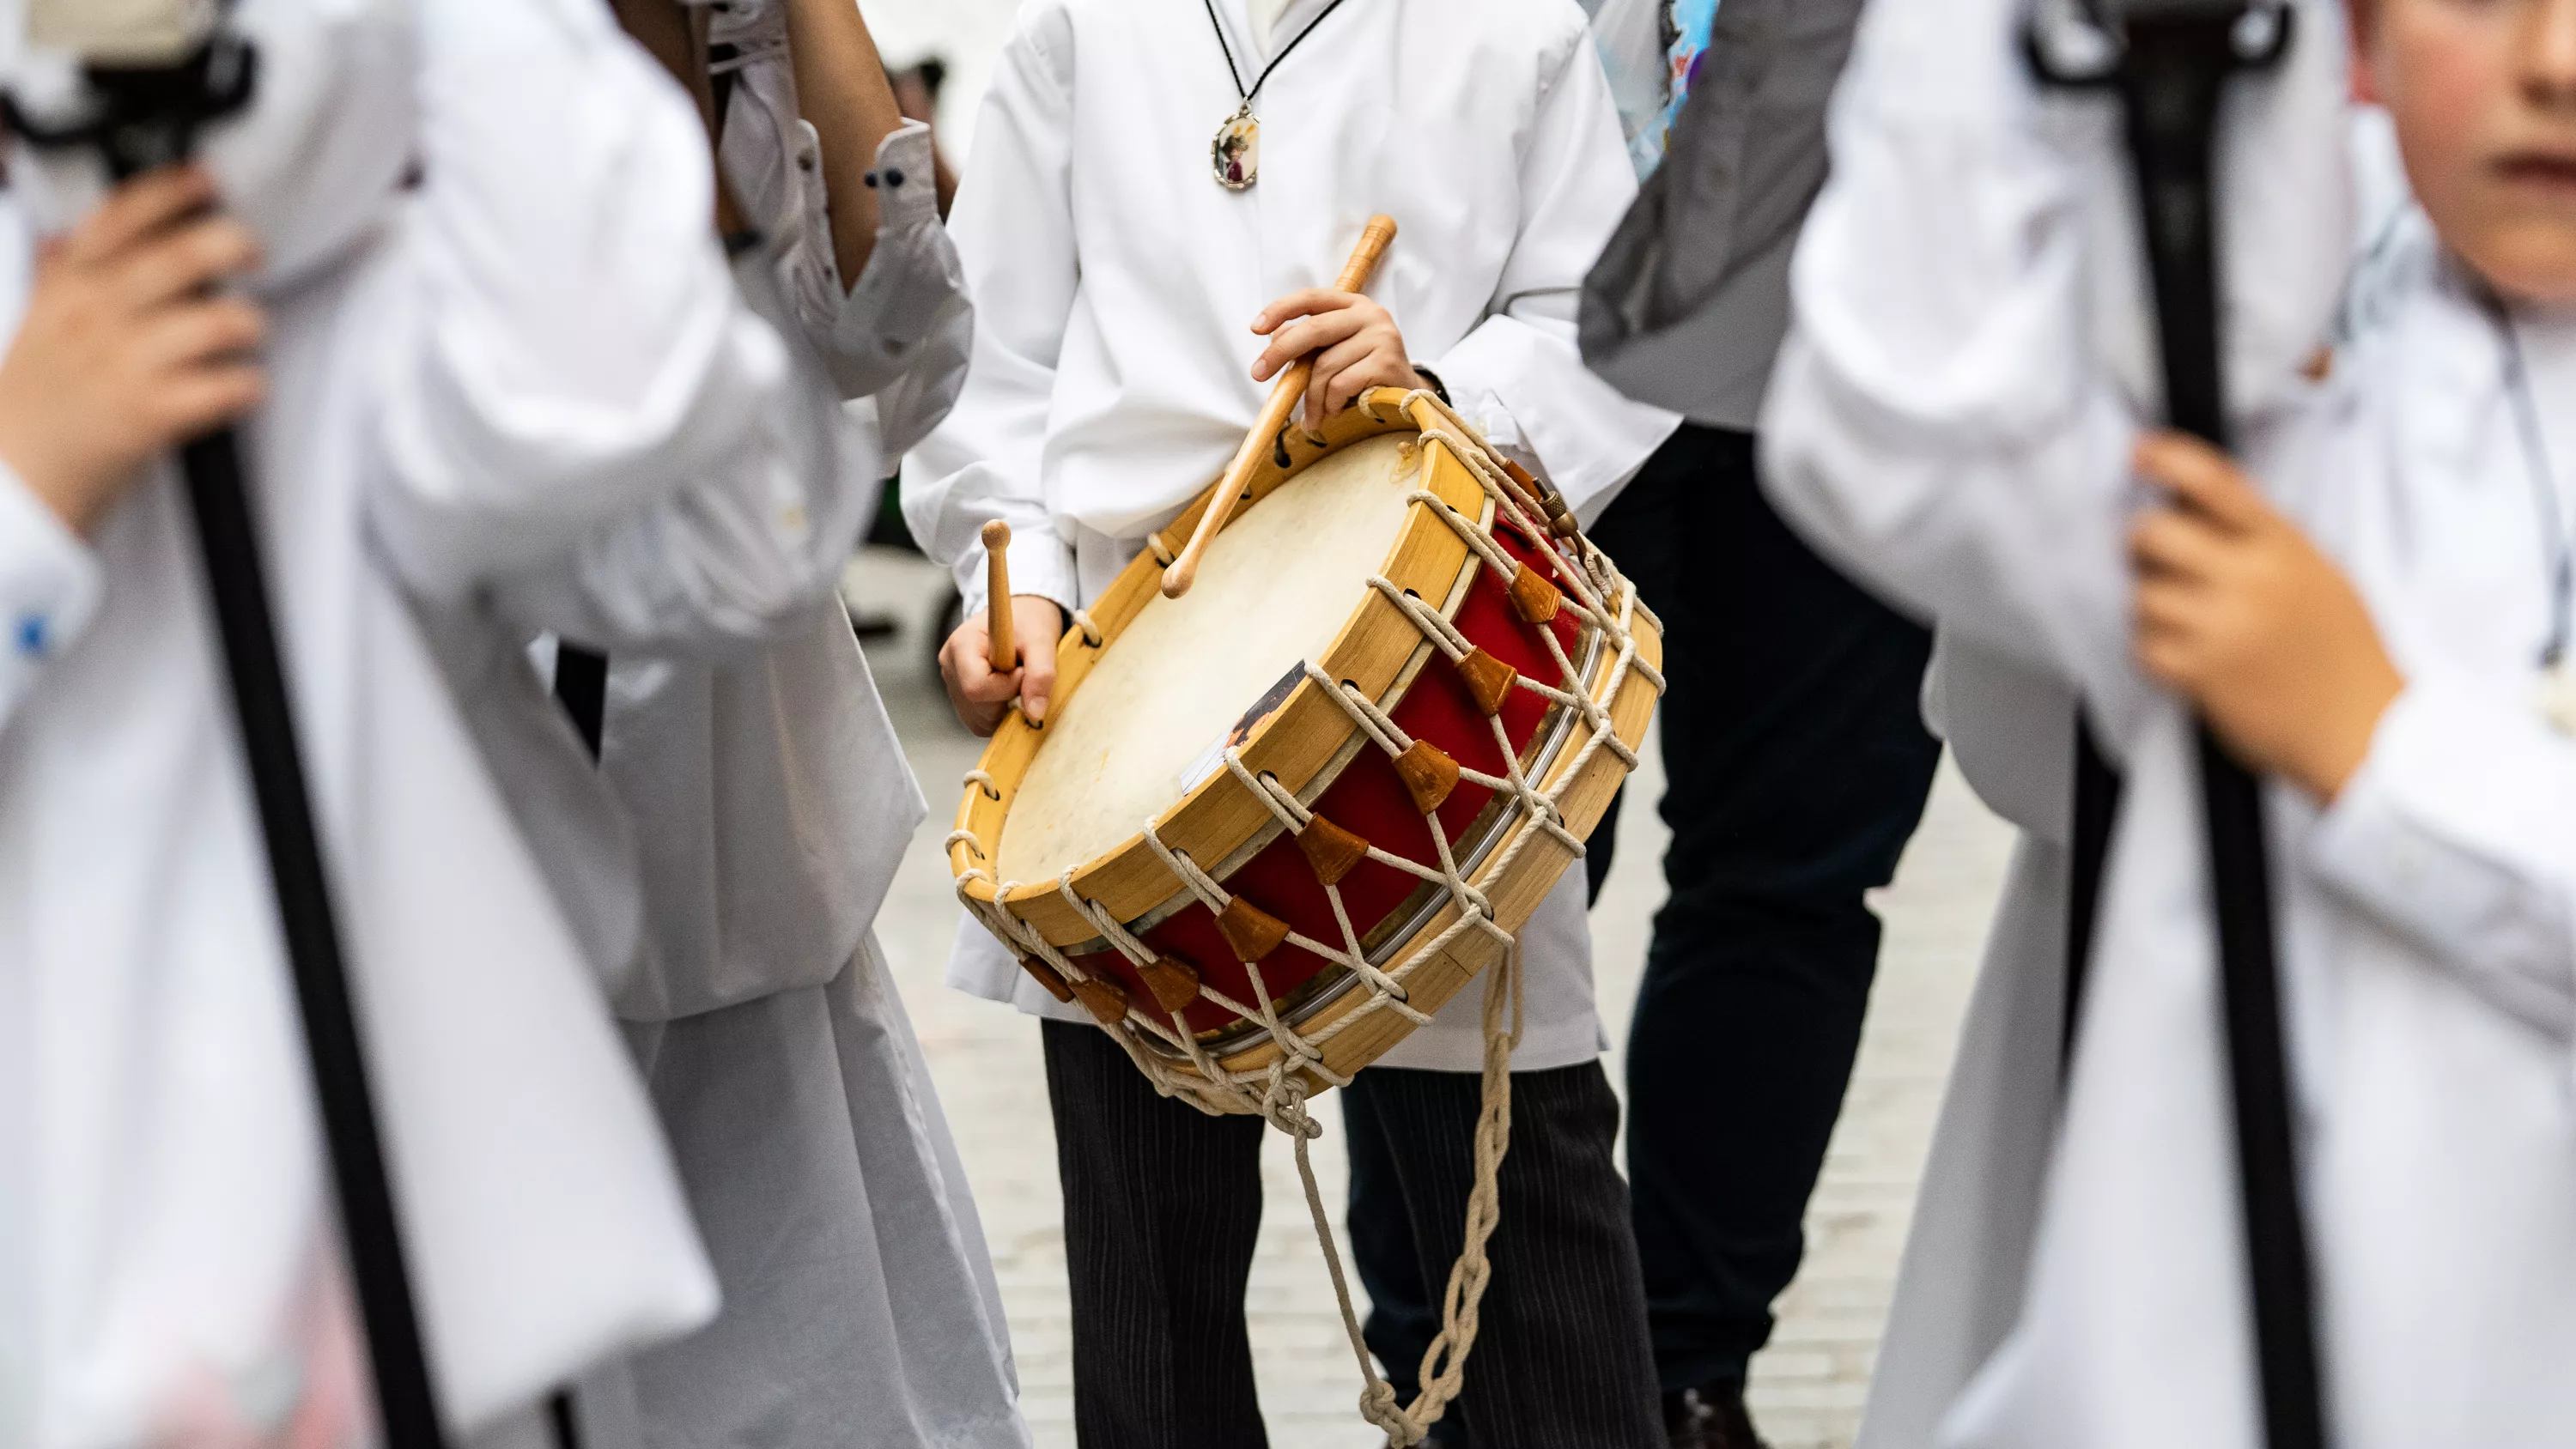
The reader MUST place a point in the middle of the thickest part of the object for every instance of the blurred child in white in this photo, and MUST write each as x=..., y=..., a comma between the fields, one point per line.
x=465, y=304
x=2377, y=625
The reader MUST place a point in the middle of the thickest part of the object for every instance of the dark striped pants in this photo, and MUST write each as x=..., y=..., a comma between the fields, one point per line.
x=1162, y=1204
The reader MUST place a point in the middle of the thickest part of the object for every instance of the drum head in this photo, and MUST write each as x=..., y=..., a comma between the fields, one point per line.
x=1152, y=717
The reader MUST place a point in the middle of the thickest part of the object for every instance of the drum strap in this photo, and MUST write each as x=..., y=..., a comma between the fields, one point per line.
x=1444, y=1364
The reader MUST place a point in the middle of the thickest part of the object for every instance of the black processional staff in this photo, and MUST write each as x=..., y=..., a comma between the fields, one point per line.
x=581, y=686
x=140, y=114
x=2170, y=61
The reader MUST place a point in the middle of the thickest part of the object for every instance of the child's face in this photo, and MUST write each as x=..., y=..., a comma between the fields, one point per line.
x=2484, y=96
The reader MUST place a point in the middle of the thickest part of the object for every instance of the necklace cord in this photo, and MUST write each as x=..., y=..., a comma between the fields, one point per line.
x=1236, y=73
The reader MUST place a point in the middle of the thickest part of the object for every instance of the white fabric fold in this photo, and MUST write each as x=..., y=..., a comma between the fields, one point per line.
x=157, y=1135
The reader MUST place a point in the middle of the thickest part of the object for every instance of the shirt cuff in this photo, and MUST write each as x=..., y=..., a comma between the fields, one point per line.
x=49, y=588
x=905, y=179
x=2453, y=835
x=1041, y=564
x=901, y=313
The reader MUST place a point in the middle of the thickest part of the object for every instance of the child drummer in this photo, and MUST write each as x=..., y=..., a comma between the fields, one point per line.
x=1160, y=193
x=2371, y=606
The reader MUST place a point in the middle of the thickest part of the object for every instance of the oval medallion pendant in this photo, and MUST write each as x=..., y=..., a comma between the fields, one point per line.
x=1236, y=153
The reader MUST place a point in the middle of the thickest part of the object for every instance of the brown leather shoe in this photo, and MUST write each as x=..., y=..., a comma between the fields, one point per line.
x=1711, y=1416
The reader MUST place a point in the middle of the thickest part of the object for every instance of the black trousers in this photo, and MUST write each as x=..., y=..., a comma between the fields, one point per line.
x=1796, y=767
x=1163, y=1203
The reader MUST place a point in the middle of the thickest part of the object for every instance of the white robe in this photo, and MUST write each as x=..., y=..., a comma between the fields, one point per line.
x=752, y=767
x=462, y=374
x=1117, y=282
x=2011, y=729
x=1940, y=425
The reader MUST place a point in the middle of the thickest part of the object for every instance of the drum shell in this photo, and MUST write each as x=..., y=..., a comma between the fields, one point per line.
x=1313, y=747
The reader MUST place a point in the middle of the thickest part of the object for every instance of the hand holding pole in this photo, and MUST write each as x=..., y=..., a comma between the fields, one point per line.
x=1285, y=394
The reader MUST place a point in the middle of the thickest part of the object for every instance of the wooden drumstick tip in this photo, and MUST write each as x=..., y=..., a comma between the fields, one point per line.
x=1285, y=394
x=997, y=603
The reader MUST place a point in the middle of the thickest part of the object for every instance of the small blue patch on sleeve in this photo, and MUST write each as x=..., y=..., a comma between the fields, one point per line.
x=35, y=635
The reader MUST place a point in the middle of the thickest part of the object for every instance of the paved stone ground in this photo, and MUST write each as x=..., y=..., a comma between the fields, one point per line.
x=1807, y=1387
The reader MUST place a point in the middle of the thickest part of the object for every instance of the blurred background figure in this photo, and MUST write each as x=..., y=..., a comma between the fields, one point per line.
x=171, y=1248
x=737, y=725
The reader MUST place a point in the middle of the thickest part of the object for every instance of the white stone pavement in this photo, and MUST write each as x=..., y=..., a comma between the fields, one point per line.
x=1807, y=1387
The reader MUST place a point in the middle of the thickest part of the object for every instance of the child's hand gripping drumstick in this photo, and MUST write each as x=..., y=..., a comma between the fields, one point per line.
x=1006, y=651
x=1290, y=389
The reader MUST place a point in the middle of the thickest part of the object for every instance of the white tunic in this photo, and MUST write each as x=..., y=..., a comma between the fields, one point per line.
x=464, y=373
x=1117, y=282
x=1939, y=424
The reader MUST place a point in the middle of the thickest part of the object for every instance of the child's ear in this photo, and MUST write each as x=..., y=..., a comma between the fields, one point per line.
x=2364, y=86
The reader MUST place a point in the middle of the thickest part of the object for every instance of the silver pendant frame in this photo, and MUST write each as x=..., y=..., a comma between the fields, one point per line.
x=1235, y=154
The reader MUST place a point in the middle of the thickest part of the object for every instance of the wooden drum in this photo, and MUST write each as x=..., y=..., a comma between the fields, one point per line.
x=1270, y=826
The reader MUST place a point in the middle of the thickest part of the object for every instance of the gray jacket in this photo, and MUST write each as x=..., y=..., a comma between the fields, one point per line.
x=1690, y=300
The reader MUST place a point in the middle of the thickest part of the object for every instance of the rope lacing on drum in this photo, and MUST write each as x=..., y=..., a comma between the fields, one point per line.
x=1278, y=1091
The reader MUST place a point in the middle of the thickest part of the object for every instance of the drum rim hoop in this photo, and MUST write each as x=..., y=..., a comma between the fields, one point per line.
x=1007, y=757
x=1617, y=704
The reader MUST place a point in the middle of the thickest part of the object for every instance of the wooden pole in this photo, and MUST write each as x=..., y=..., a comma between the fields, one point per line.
x=997, y=606
x=1285, y=394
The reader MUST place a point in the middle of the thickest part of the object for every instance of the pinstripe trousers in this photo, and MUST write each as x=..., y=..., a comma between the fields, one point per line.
x=1162, y=1204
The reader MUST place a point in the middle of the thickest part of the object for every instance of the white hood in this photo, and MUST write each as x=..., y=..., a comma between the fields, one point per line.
x=2285, y=223
x=311, y=165
x=2285, y=189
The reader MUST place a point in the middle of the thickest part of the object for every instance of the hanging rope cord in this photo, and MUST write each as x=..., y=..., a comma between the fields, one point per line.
x=1279, y=1091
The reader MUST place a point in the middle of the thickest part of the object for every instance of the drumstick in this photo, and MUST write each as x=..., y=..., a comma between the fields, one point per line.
x=997, y=607
x=1284, y=397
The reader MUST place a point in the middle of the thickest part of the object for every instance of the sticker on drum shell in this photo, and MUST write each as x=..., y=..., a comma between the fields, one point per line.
x=1272, y=700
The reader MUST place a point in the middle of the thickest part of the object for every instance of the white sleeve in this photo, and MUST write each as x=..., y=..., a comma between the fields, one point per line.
x=1519, y=375
x=49, y=589
x=1013, y=224
x=906, y=326
x=904, y=320
x=1936, y=423
x=577, y=347
x=2459, y=833
x=734, y=557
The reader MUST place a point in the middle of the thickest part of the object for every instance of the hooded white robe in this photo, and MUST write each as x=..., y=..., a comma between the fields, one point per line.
x=465, y=374
x=2011, y=729
x=761, y=803
x=1940, y=423
x=1117, y=283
